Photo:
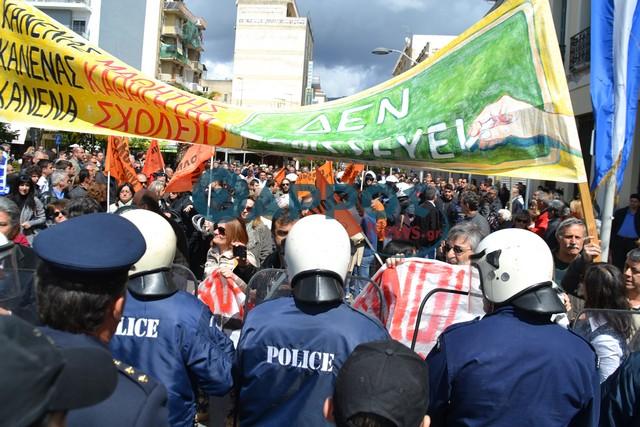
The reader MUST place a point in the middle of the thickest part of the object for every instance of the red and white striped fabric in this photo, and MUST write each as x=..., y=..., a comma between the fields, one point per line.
x=404, y=287
x=222, y=295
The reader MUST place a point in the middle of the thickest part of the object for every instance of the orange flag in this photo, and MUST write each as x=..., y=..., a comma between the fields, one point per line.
x=352, y=171
x=324, y=177
x=118, y=164
x=154, y=161
x=190, y=168
x=280, y=176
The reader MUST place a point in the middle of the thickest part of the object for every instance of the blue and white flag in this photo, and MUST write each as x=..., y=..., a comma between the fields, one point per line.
x=4, y=188
x=615, y=79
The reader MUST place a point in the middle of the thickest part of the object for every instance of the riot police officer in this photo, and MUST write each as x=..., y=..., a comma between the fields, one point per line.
x=291, y=348
x=167, y=331
x=514, y=366
x=81, y=294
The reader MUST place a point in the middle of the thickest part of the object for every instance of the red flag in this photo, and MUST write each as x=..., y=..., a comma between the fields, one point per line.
x=154, y=161
x=118, y=164
x=280, y=176
x=222, y=295
x=403, y=288
x=352, y=171
x=190, y=168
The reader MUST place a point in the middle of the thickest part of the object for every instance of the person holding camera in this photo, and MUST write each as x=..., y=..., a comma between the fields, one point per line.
x=229, y=250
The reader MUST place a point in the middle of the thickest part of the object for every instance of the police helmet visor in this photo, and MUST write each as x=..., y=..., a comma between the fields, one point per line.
x=10, y=288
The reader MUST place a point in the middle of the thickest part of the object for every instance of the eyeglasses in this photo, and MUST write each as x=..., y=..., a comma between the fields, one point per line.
x=457, y=249
x=57, y=214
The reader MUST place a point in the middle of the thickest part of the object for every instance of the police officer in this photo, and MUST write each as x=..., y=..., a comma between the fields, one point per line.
x=80, y=289
x=514, y=366
x=291, y=348
x=167, y=331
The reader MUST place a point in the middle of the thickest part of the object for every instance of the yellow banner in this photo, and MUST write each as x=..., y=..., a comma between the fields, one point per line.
x=494, y=101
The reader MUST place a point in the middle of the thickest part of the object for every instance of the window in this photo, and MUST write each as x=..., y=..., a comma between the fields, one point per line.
x=79, y=27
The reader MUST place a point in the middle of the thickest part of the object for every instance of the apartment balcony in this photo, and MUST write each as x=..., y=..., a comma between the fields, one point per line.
x=171, y=30
x=171, y=78
x=180, y=8
x=580, y=51
x=197, y=66
x=169, y=52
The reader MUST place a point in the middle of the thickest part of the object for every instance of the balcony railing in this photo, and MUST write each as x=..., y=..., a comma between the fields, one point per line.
x=580, y=51
x=169, y=51
x=197, y=66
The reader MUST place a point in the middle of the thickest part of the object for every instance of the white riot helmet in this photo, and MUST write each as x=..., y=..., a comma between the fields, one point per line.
x=516, y=267
x=317, y=254
x=150, y=275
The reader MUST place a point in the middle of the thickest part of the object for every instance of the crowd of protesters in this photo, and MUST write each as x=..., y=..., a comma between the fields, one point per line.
x=408, y=215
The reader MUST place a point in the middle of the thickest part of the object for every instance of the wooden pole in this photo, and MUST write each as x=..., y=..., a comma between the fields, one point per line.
x=587, y=213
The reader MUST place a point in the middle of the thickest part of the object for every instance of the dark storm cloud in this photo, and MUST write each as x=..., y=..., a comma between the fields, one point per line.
x=345, y=31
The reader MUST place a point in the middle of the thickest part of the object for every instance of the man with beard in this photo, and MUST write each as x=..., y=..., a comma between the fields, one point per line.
x=448, y=205
x=282, y=223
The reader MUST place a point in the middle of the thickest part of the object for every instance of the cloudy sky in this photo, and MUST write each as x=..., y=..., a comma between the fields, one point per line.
x=345, y=32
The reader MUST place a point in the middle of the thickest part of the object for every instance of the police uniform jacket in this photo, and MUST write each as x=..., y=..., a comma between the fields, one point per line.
x=175, y=340
x=512, y=368
x=621, y=395
x=288, y=358
x=138, y=400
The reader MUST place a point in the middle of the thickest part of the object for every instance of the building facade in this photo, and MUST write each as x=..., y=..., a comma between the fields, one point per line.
x=181, y=47
x=572, y=20
x=81, y=16
x=218, y=90
x=272, y=55
x=417, y=48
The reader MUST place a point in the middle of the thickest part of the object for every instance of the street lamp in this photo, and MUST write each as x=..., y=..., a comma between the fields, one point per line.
x=386, y=51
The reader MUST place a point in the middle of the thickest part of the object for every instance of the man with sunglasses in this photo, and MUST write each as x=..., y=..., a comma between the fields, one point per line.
x=461, y=242
x=514, y=366
x=283, y=200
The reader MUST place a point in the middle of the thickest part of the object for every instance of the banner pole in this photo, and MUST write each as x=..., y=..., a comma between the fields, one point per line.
x=209, y=192
x=375, y=252
x=607, y=216
x=108, y=189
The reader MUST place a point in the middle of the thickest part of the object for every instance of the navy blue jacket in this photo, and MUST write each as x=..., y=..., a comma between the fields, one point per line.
x=512, y=368
x=288, y=358
x=621, y=395
x=138, y=400
x=175, y=340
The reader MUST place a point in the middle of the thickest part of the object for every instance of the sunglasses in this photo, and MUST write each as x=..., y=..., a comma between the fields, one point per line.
x=457, y=249
x=248, y=208
x=221, y=230
x=56, y=214
x=522, y=221
x=285, y=185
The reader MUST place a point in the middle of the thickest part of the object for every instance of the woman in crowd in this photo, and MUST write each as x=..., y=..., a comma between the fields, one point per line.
x=229, y=250
x=260, y=243
x=125, y=197
x=57, y=212
x=32, y=215
x=604, y=288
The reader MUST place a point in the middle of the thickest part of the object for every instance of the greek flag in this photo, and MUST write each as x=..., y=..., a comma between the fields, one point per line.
x=615, y=79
